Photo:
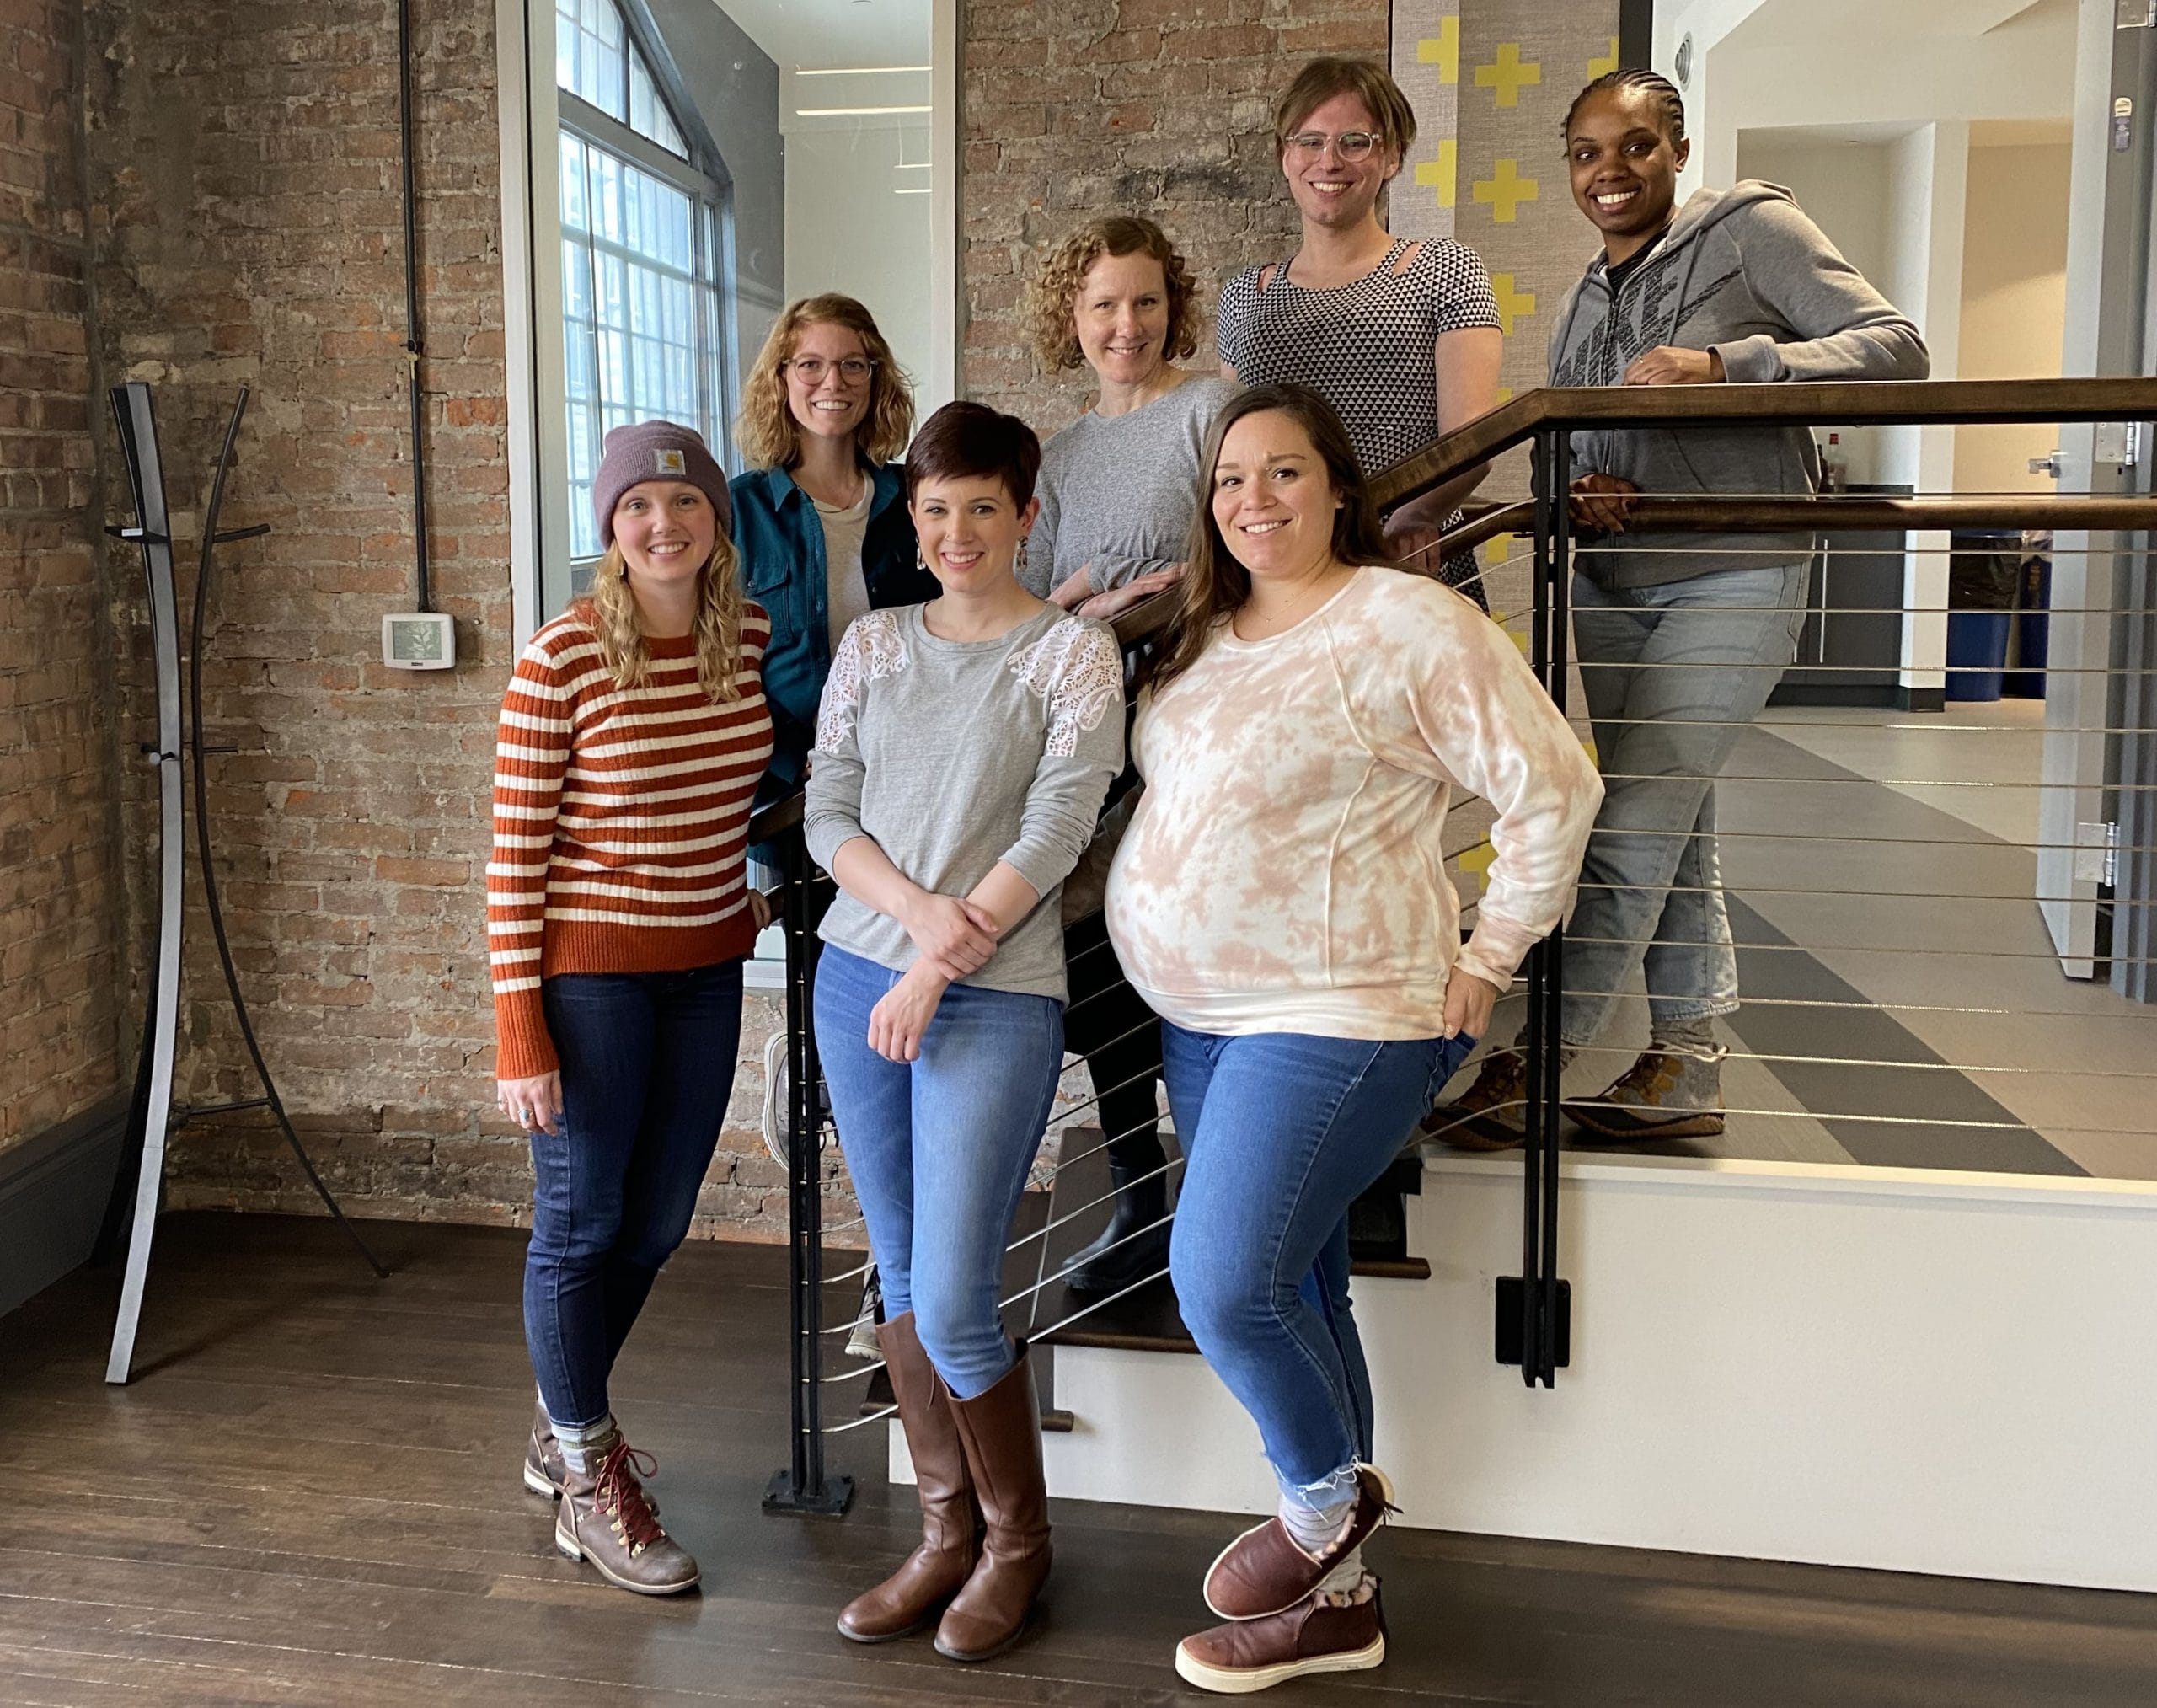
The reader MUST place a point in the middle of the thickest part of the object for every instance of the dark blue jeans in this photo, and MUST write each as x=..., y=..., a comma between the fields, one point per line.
x=647, y=1067
x=1281, y=1132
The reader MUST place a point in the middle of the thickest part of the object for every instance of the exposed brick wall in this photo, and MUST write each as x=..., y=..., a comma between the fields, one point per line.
x=244, y=166
x=1159, y=107
x=59, y=920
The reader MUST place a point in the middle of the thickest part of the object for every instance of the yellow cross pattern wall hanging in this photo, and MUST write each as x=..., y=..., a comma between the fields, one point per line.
x=1603, y=64
x=1442, y=175
x=1442, y=50
x=1511, y=304
x=1508, y=74
x=1506, y=191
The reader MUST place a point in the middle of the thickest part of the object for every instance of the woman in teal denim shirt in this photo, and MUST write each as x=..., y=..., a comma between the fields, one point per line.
x=820, y=522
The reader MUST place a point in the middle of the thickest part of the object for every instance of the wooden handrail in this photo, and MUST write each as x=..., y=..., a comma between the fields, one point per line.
x=1840, y=403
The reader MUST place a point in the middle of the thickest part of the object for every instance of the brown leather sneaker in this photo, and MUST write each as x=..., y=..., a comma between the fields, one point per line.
x=543, y=1469
x=605, y=1519
x=950, y=1522
x=1263, y=1572
x=1320, y=1634
x=1491, y=1113
x=1664, y=1094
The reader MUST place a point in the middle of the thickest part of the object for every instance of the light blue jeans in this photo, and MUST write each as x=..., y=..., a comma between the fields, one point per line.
x=1281, y=1132
x=1672, y=674
x=939, y=1149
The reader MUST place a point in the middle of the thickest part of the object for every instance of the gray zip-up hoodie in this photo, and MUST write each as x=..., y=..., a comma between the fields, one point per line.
x=1743, y=272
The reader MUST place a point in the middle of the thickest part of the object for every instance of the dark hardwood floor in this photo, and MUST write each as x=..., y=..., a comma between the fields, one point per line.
x=310, y=1495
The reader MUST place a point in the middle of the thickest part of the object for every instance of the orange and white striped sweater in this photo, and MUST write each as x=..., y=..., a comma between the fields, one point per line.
x=621, y=820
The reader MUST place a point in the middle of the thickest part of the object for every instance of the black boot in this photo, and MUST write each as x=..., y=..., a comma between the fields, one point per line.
x=1124, y=1255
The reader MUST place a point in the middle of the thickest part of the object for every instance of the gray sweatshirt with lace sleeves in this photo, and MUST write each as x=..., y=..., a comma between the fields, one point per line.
x=955, y=755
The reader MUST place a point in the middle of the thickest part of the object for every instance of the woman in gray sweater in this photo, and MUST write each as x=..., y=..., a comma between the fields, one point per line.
x=1119, y=492
x=962, y=751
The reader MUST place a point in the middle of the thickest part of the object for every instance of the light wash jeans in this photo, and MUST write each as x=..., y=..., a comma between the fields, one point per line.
x=938, y=1148
x=1672, y=674
x=1281, y=1132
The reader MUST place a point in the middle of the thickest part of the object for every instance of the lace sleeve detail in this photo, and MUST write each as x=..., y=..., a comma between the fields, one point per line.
x=872, y=646
x=1077, y=670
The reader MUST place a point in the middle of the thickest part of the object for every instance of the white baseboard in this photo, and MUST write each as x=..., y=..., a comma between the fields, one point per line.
x=1902, y=1368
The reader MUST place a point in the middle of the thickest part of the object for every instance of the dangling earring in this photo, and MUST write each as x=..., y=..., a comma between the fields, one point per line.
x=1019, y=568
x=920, y=562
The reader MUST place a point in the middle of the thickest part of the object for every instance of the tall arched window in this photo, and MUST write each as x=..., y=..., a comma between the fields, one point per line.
x=645, y=319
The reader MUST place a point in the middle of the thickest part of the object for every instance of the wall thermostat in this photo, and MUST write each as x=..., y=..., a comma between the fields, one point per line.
x=419, y=641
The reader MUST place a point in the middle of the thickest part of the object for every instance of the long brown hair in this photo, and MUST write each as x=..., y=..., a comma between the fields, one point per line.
x=765, y=430
x=1215, y=586
x=611, y=611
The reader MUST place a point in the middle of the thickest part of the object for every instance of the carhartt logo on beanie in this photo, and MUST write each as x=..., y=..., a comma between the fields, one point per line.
x=656, y=451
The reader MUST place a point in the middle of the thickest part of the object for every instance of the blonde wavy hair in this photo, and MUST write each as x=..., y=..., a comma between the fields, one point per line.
x=765, y=430
x=1052, y=297
x=610, y=609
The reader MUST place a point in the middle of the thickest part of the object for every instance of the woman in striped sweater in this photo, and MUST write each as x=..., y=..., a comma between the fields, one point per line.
x=632, y=739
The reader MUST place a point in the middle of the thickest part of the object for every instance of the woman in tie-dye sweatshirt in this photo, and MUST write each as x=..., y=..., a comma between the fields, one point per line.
x=1281, y=901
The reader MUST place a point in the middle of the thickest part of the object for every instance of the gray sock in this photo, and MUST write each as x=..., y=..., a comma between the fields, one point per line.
x=582, y=1449
x=1692, y=1035
x=1314, y=1528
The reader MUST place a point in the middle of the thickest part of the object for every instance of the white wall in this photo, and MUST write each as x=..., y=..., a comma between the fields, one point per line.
x=2013, y=301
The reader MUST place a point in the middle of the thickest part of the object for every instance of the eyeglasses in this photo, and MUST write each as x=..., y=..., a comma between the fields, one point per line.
x=810, y=370
x=1352, y=145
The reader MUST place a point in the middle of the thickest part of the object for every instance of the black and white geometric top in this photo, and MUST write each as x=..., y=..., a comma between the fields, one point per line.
x=1366, y=347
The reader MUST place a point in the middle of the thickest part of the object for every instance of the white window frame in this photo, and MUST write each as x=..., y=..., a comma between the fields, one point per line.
x=535, y=381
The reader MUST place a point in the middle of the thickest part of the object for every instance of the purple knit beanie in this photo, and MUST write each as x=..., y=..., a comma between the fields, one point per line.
x=656, y=451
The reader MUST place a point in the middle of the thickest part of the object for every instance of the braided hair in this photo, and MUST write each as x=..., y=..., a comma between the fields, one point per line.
x=1657, y=85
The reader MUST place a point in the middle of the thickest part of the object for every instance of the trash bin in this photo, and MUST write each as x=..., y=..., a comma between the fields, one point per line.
x=1983, y=572
x=2032, y=621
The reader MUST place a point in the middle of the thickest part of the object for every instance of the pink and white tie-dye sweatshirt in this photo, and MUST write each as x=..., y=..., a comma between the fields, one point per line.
x=1284, y=871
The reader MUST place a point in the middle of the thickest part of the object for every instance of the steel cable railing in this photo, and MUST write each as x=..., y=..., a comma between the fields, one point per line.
x=1929, y=892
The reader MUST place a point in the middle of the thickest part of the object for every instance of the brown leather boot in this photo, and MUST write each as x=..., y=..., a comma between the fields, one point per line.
x=1490, y=1114
x=1001, y=1431
x=932, y=1573
x=605, y=1519
x=1666, y=1094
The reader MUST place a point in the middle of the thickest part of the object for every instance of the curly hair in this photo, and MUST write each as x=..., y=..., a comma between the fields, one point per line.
x=610, y=609
x=1053, y=297
x=765, y=428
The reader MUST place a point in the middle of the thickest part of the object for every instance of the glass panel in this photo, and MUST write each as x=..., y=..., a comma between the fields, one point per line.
x=643, y=98
x=573, y=185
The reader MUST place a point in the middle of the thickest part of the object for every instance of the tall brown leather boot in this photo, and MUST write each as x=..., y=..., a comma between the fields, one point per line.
x=932, y=1574
x=1001, y=1431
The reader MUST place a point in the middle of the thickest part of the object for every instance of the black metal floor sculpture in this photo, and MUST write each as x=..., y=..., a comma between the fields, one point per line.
x=152, y=1115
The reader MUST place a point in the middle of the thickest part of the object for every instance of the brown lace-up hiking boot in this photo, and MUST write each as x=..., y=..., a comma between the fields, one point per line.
x=605, y=1519
x=1664, y=1094
x=1263, y=1572
x=543, y=1468
x=1323, y=1633
x=934, y=1572
x=1491, y=1113
x=1001, y=1432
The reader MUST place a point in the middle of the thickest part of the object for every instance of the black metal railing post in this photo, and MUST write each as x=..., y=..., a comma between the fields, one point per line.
x=802, y=1485
x=1551, y=1296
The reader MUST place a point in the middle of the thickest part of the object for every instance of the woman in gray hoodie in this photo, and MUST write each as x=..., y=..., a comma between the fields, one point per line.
x=1680, y=637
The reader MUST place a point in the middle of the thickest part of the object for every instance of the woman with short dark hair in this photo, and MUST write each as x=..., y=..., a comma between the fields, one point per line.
x=963, y=749
x=1281, y=900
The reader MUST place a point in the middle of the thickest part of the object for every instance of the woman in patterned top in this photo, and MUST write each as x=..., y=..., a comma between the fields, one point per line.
x=1401, y=338
x=963, y=748
x=631, y=738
